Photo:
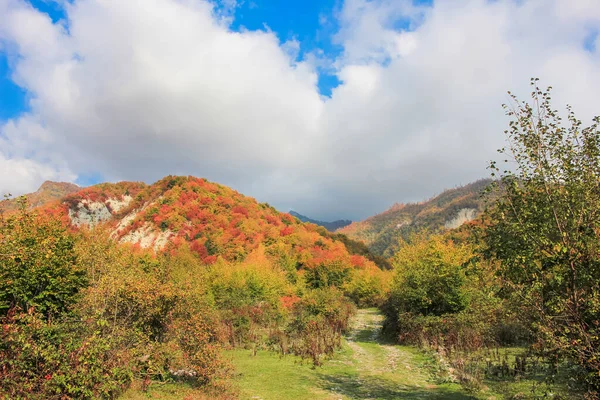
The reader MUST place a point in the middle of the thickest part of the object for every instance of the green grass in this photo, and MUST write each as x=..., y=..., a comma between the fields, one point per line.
x=367, y=367
x=267, y=376
x=363, y=369
x=532, y=385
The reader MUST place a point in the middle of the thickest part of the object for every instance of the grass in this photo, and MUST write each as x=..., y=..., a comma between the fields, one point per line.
x=366, y=367
x=363, y=369
x=268, y=377
x=167, y=391
x=180, y=391
x=532, y=385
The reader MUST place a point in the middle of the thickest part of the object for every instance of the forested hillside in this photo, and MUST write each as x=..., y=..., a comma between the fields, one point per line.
x=448, y=210
x=214, y=220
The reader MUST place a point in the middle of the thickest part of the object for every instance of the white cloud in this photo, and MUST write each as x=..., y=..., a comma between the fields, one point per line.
x=25, y=174
x=143, y=88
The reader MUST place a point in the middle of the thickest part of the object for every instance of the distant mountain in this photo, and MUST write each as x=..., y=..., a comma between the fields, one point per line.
x=448, y=210
x=47, y=193
x=354, y=247
x=330, y=226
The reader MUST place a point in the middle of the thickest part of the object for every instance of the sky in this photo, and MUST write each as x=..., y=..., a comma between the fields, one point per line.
x=333, y=108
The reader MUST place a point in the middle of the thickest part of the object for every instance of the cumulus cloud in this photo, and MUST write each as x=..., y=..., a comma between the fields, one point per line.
x=139, y=89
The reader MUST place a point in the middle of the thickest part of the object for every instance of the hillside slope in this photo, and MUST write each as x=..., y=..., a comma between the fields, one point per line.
x=214, y=220
x=448, y=210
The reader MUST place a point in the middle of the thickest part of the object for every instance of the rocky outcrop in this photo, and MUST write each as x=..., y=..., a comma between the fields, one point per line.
x=464, y=215
x=91, y=213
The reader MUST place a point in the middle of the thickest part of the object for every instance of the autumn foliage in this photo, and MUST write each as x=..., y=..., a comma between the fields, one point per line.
x=84, y=316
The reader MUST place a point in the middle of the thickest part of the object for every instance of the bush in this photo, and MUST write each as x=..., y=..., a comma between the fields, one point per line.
x=444, y=297
x=41, y=359
x=38, y=266
x=368, y=287
x=248, y=296
x=332, y=273
x=429, y=278
x=135, y=320
x=317, y=324
x=168, y=330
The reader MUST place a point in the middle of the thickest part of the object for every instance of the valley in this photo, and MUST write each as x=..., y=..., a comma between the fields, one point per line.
x=299, y=200
x=186, y=288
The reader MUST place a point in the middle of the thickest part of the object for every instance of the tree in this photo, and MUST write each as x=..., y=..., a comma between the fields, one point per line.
x=429, y=277
x=544, y=226
x=37, y=264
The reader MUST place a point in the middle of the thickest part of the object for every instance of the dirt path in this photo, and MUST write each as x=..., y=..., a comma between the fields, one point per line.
x=366, y=368
x=366, y=343
x=383, y=370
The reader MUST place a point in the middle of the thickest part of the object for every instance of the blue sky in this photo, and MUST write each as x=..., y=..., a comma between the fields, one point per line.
x=13, y=99
x=310, y=22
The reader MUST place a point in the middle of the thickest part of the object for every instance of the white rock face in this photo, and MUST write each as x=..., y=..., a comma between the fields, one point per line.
x=128, y=219
x=117, y=205
x=89, y=213
x=162, y=239
x=147, y=237
x=92, y=213
x=464, y=215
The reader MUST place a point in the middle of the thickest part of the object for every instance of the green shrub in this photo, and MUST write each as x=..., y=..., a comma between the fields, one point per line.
x=248, y=297
x=333, y=273
x=38, y=266
x=368, y=288
x=42, y=359
x=168, y=330
x=444, y=297
x=543, y=225
x=429, y=278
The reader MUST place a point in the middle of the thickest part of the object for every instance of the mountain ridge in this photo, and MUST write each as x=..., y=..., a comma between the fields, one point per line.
x=138, y=213
x=330, y=226
x=447, y=210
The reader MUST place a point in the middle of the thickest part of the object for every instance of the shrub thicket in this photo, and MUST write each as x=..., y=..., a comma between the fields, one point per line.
x=100, y=316
x=543, y=225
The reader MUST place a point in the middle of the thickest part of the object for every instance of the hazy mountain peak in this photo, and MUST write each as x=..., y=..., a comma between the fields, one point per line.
x=330, y=226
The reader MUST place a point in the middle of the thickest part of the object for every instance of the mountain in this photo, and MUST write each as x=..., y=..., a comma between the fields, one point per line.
x=448, y=210
x=213, y=220
x=47, y=193
x=330, y=226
